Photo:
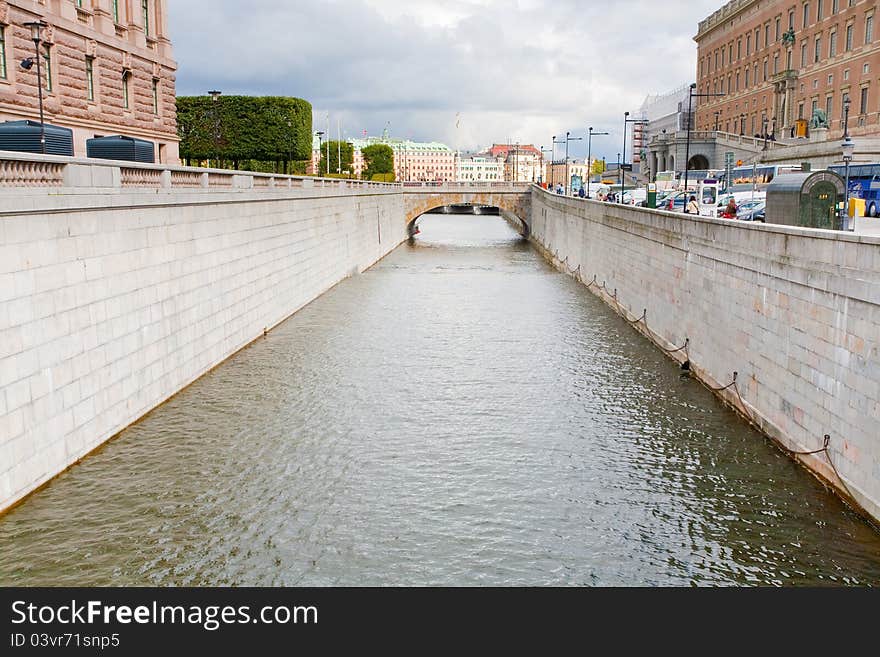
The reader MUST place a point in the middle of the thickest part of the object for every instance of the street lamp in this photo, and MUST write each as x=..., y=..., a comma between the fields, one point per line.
x=590, y=134
x=320, y=134
x=215, y=96
x=568, y=139
x=35, y=27
x=764, y=131
x=717, y=115
x=542, y=161
x=553, y=162
x=848, y=150
x=687, y=152
x=626, y=120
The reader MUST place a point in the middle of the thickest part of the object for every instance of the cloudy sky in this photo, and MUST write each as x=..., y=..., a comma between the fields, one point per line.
x=523, y=70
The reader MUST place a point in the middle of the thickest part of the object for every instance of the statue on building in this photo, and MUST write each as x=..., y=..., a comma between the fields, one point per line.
x=788, y=37
x=818, y=120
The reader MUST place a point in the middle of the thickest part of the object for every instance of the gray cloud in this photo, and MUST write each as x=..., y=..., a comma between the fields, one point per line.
x=518, y=69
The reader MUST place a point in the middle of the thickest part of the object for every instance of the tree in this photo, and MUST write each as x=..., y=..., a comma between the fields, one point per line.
x=335, y=149
x=598, y=167
x=378, y=159
x=235, y=129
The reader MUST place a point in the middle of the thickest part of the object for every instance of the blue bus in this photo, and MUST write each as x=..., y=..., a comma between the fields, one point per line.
x=864, y=183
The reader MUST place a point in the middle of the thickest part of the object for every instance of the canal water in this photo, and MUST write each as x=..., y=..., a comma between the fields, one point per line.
x=460, y=414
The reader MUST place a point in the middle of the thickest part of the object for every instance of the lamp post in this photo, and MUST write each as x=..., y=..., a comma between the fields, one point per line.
x=848, y=150
x=215, y=96
x=35, y=27
x=553, y=162
x=542, y=161
x=687, y=151
x=320, y=134
x=626, y=120
x=568, y=139
x=764, y=131
x=590, y=134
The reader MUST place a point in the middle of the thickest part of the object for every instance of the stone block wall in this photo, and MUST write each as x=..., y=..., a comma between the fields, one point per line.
x=795, y=312
x=111, y=304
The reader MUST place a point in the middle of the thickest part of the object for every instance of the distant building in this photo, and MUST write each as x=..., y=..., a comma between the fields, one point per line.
x=476, y=168
x=106, y=69
x=522, y=162
x=666, y=115
x=413, y=161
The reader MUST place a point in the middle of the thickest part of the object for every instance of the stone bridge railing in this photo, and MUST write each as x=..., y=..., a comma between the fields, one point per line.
x=25, y=170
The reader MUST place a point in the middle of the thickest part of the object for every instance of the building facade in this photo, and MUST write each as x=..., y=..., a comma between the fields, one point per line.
x=776, y=61
x=480, y=169
x=106, y=69
x=666, y=115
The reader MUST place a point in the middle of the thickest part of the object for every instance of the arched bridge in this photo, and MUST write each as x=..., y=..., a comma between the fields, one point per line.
x=514, y=200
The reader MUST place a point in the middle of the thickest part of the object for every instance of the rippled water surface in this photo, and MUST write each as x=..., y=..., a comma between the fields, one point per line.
x=460, y=414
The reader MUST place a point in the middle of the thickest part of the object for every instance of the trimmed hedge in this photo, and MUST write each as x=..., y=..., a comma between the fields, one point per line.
x=238, y=128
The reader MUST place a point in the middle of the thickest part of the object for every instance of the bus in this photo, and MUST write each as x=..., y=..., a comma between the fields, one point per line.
x=755, y=176
x=864, y=183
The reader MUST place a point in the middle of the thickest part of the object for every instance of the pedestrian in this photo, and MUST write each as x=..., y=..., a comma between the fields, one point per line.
x=730, y=210
x=582, y=192
x=692, y=206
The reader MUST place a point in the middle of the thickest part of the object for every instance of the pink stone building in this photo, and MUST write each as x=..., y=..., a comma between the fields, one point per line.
x=107, y=69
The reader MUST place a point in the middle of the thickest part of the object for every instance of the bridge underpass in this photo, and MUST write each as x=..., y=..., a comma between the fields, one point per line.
x=513, y=200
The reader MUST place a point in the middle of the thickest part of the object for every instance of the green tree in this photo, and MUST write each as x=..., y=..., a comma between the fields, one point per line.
x=337, y=148
x=378, y=159
x=235, y=129
x=598, y=167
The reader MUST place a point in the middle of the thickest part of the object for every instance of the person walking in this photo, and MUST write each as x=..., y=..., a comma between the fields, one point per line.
x=730, y=210
x=692, y=206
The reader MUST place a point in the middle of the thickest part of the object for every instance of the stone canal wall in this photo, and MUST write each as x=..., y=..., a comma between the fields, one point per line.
x=794, y=312
x=112, y=300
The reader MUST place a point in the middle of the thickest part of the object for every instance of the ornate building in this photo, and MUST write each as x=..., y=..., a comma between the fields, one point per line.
x=776, y=61
x=106, y=69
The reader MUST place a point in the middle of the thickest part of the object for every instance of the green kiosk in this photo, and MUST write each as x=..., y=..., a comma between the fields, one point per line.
x=807, y=199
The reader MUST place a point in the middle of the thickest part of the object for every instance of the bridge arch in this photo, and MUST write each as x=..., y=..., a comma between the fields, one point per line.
x=698, y=162
x=513, y=201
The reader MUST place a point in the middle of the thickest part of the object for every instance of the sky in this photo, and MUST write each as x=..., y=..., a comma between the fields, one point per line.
x=467, y=73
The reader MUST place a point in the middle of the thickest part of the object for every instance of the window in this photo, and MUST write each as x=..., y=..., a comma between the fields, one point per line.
x=755, y=71
x=849, y=37
x=145, y=10
x=748, y=44
x=863, y=102
x=716, y=60
x=829, y=103
x=803, y=54
x=835, y=5
x=775, y=63
x=830, y=80
x=819, y=10
x=791, y=19
x=126, y=83
x=817, y=55
x=832, y=44
x=737, y=80
x=730, y=53
x=764, y=77
x=814, y=107
x=2, y=52
x=806, y=14
x=757, y=39
x=767, y=35
x=90, y=78
x=48, y=57
x=869, y=29
x=778, y=28
x=739, y=48
x=800, y=110
x=746, y=85
x=116, y=11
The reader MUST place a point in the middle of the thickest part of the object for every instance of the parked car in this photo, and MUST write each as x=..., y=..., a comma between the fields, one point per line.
x=674, y=202
x=751, y=211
